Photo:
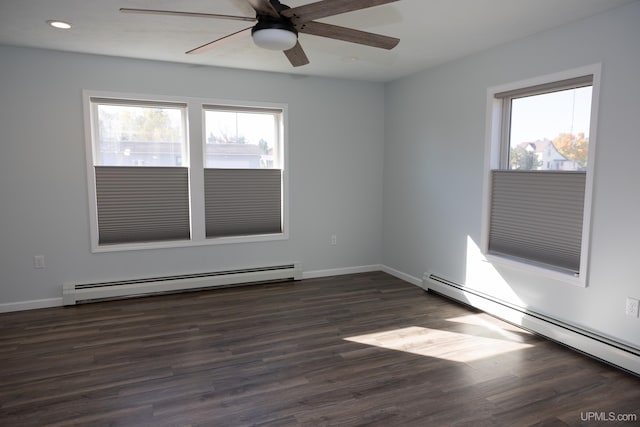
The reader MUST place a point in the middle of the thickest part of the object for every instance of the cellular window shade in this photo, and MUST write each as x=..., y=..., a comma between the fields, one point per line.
x=240, y=202
x=537, y=216
x=142, y=204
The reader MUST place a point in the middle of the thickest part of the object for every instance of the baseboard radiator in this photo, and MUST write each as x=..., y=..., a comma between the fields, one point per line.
x=74, y=293
x=600, y=347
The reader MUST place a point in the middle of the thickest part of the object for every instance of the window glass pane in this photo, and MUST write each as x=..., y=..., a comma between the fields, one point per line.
x=129, y=135
x=242, y=139
x=550, y=131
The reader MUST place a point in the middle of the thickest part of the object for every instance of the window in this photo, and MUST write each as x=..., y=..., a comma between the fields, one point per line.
x=177, y=172
x=242, y=171
x=141, y=182
x=539, y=182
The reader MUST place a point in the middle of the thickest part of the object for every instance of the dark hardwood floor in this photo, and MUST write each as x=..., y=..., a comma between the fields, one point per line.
x=364, y=349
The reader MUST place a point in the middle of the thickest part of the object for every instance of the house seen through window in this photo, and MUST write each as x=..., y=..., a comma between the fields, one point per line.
x=241, y=139
x=550, y=131
x=140, y=135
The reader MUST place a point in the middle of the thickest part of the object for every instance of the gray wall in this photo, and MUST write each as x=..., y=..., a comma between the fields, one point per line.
x=434, y=166
x=336, y=156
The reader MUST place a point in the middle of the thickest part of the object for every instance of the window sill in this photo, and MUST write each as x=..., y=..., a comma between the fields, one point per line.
x=189, y=243
x=537, y=269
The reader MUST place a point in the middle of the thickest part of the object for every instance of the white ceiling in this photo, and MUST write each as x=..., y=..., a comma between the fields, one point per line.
x=431, y=32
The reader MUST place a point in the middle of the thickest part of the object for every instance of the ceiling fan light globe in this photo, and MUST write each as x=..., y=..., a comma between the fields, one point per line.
x=275, y=39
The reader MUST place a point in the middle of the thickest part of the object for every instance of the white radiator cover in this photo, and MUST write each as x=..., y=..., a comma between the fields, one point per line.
x=595, y=345
x=72, y=293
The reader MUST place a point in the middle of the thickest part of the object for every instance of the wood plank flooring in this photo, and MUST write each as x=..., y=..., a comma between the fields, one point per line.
x=363, y=349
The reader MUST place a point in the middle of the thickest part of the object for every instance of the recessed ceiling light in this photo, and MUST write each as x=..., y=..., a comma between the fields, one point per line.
x=59, y=24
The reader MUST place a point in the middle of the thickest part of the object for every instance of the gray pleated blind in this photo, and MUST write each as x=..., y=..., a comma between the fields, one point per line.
x=575, y=82
x=142, y=204
x=240, y=202
x=538, y=216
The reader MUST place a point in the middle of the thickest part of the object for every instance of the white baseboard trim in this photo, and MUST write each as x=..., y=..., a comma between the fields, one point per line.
x=57, y=302
x=400, y=275
x=363, y=269
x=315, y=274
x=588, y=342
x=30, y=305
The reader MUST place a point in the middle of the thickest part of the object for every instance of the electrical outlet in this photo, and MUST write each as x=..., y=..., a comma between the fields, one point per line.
x=38, y=261
x=334, y=240
x=632, y=307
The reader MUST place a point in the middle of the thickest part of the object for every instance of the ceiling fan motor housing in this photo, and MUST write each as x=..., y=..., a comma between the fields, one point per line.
x=271, y=22
x=275, y=33
x=266, y=22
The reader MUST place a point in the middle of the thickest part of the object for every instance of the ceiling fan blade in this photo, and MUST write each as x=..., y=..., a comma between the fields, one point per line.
x=188, y=14
x=208, y=46
x=322, y=9
x=264, y=7
x=296, y=55
x=348, y=35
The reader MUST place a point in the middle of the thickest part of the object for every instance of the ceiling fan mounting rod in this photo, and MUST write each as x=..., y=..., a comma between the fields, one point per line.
x=279, y=7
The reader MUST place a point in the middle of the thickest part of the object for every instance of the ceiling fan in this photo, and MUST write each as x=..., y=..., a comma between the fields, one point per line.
x=278, y=25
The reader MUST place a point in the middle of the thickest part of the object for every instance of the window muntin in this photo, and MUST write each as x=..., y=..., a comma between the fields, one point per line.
x=242, y=138
x=549, y=131
x=127, y=134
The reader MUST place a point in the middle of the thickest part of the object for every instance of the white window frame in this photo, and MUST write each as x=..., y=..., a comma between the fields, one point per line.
x=195, y=160
x=494, y=155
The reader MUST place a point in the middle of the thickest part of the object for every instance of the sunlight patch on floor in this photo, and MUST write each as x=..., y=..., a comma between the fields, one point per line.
x=454, y=346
